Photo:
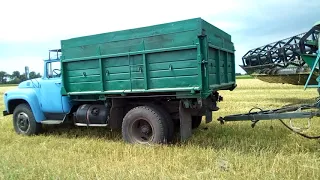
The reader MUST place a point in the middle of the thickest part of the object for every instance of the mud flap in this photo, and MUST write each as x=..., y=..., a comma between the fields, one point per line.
x=116, y=114
x=185, y=122
x=208, y=116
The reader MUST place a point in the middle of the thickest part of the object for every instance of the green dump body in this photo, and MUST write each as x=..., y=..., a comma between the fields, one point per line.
x=189, y=58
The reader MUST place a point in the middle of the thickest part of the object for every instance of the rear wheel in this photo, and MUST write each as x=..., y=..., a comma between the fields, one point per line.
x=196, y=121
x=144, y=125
x=24, y=121
x=167, y=120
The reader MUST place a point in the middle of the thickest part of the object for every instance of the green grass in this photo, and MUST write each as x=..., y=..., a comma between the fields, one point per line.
x=8, y=85
x=244, y=77
x=230, y=151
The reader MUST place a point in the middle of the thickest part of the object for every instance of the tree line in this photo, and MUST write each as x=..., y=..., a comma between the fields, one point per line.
x=16, y=77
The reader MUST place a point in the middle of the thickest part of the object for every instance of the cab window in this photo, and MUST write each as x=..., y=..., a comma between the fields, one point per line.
x=53, y=69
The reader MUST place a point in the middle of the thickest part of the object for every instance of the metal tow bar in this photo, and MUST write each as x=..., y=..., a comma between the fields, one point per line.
x=285, y=112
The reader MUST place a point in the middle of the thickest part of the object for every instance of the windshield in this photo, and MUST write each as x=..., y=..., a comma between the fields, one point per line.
x=53, y=69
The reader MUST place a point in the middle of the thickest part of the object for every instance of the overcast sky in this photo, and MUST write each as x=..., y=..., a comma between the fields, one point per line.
x=30, y=28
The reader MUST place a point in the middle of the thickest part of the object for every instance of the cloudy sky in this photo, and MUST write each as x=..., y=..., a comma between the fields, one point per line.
x=30, y=28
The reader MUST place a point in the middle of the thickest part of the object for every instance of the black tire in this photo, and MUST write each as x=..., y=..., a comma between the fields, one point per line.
x=24, y=122
x=196, y=121
x=168, y=120
x=138, y=123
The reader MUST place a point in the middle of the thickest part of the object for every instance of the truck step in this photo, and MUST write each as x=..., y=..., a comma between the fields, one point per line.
x=52, y=122
x=91, y=125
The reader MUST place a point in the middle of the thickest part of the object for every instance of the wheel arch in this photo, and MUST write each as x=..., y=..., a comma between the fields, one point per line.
x=29, y=98
x=12, y=104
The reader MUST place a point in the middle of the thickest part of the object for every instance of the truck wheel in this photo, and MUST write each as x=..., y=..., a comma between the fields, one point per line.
x=144, y=125
x=196, y=121
x=168, y=120
x=24, y=121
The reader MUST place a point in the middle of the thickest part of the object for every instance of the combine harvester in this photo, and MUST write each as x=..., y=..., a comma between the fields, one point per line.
x=293, y=60
x=286, y=61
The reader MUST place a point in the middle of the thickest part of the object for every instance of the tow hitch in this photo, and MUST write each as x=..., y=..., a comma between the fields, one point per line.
x=303, y=111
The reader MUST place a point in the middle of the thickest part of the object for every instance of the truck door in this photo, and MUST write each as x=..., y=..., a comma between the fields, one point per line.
x=50, y=90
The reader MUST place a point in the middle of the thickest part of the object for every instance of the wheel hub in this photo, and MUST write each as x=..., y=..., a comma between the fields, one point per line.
x=23, y=121
x=145, y=129
x=142, y=131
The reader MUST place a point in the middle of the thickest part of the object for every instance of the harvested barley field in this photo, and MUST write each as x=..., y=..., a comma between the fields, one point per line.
x=230, y=151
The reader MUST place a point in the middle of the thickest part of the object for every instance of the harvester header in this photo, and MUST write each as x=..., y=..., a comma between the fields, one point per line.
x=284, y=61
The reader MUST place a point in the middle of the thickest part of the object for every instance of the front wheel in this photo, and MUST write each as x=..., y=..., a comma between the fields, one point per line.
x=24, y=121
x=144, y=125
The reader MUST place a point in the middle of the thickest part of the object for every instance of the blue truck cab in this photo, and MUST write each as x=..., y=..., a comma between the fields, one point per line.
x=38, y=101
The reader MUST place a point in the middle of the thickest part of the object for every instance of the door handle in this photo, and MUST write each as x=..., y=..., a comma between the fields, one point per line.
x=58, y=83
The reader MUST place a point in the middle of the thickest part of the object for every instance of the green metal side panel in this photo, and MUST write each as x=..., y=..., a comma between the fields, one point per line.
x=158, y=36
x=220, y=66
x=161, y=58
x=309, y=59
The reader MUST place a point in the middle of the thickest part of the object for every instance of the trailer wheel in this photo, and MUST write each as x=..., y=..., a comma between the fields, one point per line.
x=144, y=125
x=196, y=121
x=24, y=121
